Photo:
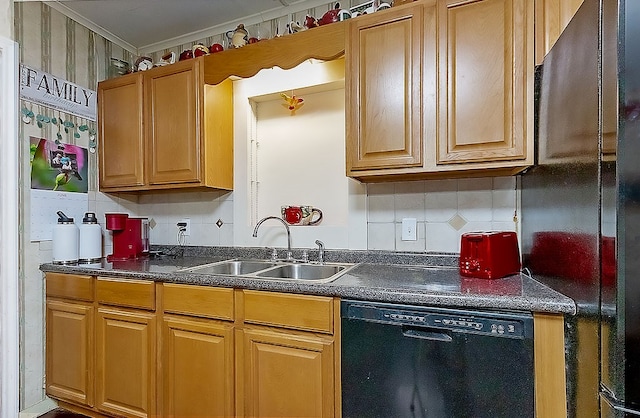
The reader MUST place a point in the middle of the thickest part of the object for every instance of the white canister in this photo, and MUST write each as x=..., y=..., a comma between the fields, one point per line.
x=90, y=246
x=65, y=240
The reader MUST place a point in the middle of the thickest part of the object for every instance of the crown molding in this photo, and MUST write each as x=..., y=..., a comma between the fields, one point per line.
x=59, y=6
x=274, y=13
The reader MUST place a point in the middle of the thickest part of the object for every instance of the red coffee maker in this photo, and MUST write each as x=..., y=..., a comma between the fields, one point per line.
x=130, y=236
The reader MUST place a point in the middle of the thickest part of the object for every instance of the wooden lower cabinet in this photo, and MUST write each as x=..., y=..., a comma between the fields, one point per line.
x=69, y=357
x=549, y=359
x=286, y=374
x=217, y=352
x=126, y=362
x=197, y=368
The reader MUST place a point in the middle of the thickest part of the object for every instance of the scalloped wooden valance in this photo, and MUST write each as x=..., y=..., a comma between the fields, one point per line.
x=323, y=43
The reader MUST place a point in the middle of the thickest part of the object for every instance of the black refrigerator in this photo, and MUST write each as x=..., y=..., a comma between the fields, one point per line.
x=581, y=202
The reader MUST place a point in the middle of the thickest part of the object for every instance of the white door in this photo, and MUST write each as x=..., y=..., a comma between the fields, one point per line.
x=9, y=357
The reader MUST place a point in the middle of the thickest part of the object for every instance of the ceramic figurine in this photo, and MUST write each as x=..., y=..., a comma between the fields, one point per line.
x=292, y=102
x=143, y=64
x=216, y=48
x=294, y=27
x=185, y=55
x=238, y=37
x=167, y=59
x=199, y=50
x=310, y=22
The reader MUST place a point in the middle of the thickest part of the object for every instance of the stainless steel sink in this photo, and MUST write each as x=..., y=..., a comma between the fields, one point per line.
x=232, y=267
x=303, y=271
x=265, y=269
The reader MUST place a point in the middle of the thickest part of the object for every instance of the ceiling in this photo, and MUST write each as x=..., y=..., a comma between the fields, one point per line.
x=151, y=25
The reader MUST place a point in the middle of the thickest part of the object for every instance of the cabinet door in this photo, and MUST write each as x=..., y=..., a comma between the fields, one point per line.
x=552, y=16
x=173, y=106
x=285, y=374
x=126, y=362
x=198, y=368
x=485, y=80
x=121, y=140
x=384, y=90
x=69, y=359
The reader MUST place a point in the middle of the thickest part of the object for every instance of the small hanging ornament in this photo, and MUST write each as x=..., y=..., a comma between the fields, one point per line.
x=292, y=102
x=92, y=140
x=58, y=121
x=27, y=114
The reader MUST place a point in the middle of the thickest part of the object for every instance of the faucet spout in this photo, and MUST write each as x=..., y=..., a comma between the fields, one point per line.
x=320, y=245
x=261, y=221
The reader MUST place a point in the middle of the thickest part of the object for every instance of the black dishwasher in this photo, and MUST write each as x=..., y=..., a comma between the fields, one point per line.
x=411, y=361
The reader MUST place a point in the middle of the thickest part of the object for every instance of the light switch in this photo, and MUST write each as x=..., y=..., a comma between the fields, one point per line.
x=409, y=232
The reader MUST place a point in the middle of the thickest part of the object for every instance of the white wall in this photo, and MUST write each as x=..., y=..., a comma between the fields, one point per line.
x=71, y=52
x=6, y=18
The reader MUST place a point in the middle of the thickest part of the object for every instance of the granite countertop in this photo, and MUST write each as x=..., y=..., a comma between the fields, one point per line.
x=423, y=279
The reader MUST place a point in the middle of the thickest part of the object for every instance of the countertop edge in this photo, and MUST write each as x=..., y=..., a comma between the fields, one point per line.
x=550, y=301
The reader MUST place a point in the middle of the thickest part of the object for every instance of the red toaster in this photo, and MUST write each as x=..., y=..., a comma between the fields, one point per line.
x=489, y=255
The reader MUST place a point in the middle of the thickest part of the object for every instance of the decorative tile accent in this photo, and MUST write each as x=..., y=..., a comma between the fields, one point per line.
x=219, y=223
x=457, y=222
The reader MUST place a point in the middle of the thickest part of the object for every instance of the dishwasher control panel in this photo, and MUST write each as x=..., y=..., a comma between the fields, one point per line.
x=496, y=324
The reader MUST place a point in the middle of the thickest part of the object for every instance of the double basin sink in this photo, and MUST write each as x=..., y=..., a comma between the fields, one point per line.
x=266, y=269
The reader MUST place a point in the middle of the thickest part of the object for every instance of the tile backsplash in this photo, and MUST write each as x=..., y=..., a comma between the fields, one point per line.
x=443, y=209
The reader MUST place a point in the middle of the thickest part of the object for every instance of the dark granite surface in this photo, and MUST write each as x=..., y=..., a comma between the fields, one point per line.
x=410, y=278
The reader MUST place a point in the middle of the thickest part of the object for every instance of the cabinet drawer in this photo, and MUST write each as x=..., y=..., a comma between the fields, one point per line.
x=208, y=302
x=69, y=286
x=128, y=293
x=311, y=313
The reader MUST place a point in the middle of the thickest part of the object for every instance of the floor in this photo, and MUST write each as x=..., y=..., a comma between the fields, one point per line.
x=61, y=413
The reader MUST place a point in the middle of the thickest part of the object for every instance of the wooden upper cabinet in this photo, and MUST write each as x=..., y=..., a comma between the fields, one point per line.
x=184, y=130
x=120, y=126
x=485, y=81
x=384, y=89
x=441, y=89
x=384, y=55
x=552, y=16
x=172, y=102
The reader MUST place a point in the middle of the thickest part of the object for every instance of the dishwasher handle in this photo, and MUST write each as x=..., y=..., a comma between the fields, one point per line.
x=427, y=334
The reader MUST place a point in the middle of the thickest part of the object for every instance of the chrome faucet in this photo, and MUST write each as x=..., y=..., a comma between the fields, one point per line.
x=320, y=245
x=255, y=233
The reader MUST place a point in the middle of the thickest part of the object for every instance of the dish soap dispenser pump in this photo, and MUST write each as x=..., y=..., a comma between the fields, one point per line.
x=65, y=240
x=90, y=250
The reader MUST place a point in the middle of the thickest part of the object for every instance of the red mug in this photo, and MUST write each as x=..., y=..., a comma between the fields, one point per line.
x=301, y=215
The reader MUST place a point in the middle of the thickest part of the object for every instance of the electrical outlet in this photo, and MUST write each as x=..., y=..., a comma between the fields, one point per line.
x=409, y=232
x=187, y=226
